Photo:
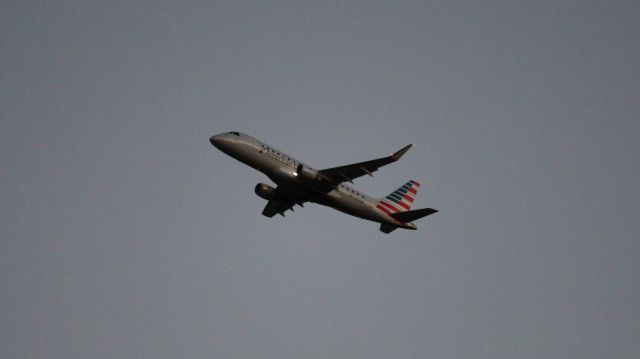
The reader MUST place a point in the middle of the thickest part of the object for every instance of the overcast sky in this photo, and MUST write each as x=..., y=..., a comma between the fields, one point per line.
x=125, y=234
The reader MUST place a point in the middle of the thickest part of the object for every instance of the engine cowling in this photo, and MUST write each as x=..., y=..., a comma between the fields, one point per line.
x=265, y=191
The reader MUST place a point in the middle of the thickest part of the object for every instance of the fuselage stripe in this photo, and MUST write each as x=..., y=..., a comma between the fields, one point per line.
x=383, y=210
x=404, y=205
x=393, y=208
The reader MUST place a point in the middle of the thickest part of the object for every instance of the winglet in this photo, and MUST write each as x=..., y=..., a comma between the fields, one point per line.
x=396, y=156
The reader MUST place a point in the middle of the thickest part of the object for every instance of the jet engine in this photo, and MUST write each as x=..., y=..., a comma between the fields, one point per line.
x=265, y=191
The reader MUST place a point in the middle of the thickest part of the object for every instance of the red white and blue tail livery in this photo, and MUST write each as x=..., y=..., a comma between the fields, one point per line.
x=397, y=206
x=399, y=200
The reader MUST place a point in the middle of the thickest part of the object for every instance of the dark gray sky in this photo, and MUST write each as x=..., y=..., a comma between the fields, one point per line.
x=125, y=234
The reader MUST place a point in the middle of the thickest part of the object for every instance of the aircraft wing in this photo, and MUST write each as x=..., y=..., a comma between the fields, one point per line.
x=283, y=201
x=276, y=206
x=350, y=172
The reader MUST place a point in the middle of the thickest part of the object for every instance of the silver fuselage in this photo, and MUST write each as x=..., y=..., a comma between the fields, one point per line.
x=281, y=169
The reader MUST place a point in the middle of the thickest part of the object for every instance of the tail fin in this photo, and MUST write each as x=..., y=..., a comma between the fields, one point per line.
x=401, y=199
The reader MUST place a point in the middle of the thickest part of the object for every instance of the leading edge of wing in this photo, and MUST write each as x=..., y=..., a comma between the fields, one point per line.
x=352, y=171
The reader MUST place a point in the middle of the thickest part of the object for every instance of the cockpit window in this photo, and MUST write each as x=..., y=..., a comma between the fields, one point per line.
x=234, y=133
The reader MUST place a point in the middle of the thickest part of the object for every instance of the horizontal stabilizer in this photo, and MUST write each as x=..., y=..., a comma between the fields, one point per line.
x=387, y=228
x=409, y=216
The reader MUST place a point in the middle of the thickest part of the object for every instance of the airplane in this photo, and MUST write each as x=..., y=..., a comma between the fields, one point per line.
x=298, y=183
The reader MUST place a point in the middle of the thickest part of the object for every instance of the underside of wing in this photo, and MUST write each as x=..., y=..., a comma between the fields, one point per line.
x=284, y=199
x=276, y=206
x=350, y=172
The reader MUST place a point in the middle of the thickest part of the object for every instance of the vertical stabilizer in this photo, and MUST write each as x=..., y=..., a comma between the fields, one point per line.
x=399, y=200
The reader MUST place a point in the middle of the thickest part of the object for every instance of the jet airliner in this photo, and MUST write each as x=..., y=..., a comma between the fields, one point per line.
x=297, y=183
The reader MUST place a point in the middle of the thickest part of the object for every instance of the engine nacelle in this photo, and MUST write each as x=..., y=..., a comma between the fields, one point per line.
x=265, y=191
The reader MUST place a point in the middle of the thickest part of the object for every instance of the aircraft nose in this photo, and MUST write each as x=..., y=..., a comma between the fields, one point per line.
x=216, y=140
